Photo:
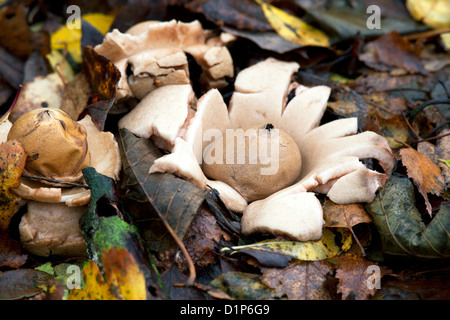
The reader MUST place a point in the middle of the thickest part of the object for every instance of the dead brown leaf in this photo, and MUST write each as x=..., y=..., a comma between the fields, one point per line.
x=395, y=130
x=10, y=252
x=344, y=215
x=425, y=174
x=300, y=280
x=353, y=275
x=201, y=237
x=390, y=51
x=15, y=35
x=75, y=96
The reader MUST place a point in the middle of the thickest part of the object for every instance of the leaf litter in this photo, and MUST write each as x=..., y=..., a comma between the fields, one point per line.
x=134, y=236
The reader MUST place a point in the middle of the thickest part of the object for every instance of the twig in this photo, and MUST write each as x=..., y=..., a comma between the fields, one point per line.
x=427, y=34
x=435, y=137
x=73, y=184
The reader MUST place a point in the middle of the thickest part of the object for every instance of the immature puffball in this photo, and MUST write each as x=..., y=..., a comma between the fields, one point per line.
x=256, y=162
x=56, y=145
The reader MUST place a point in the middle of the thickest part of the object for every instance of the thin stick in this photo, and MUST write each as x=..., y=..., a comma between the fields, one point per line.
x=426, y=34
x=73, y=184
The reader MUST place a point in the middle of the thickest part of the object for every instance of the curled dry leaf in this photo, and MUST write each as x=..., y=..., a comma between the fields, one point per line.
x=424, y=172
x=399, y=223
x=12, y=164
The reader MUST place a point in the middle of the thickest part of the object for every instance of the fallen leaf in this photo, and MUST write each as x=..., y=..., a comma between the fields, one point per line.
x=392, y=50
x=22, y=283
x=395, y=130
x=103, y=78
x=237, y=14
x=400, y=226
x=69, y=40
x=354, y=277
x=10, y=252
x=12, y=163
x=15, y=35
x=425, y=173
x=201, y=237
x=300, y=280
x=176, y=199
x=293, y=28
x=344, y=215
x=124, y=280
x=343, y=20
x=346, y=103
x=242, y=286
x=384, y=104
x=279, y=253
x=433, y=13
x=75, y=97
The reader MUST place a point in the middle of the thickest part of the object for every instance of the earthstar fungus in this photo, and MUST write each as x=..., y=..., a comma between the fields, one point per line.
x=330, y=154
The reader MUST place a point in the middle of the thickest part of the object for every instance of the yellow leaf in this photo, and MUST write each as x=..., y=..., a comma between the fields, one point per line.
x=70, y=39
x=12, y=163
x=124, y=280
x=434, y=13
x=293, y=28
x=60, y=64
x=328, y=246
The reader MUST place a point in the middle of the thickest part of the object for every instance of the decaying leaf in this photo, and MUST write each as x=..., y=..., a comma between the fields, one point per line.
x=400, y=226
x=242, y=286
x=344, y=215
x=293, y=28
x=12, y=163
x=300, y=280
x=177, y=200
x=69, y=39
x=242, y=14
x=394, y=129
x=354, y=277
x=103, y=78
x=124, y=280
x=15, y=34
x=10, y=252
x=391, y=50
x=21, y=283
x=425, y=173
x=279, y=253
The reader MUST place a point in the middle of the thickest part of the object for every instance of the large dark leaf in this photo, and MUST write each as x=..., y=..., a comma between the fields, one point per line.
x=400, y=225
x=156, y=198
